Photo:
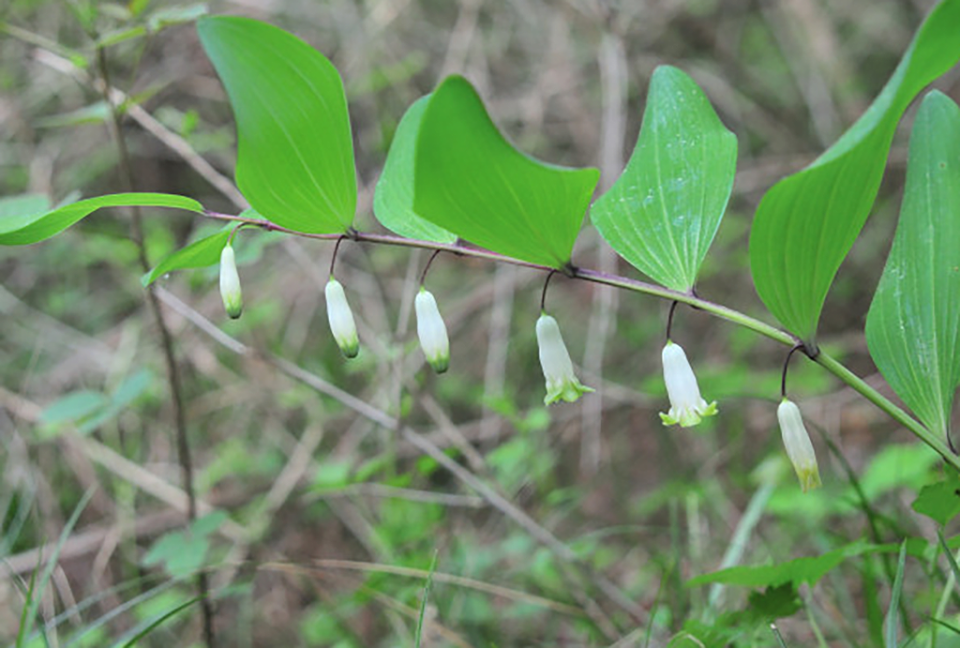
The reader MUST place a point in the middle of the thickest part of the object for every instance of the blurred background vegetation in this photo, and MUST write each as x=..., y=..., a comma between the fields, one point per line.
x=321, y=525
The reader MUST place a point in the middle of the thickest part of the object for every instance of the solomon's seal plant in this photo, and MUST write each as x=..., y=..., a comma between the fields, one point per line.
x=798, y=445
x=340, y=316
x=230, y=283
x=562, y=383
x=687, y=407
x=432, y=331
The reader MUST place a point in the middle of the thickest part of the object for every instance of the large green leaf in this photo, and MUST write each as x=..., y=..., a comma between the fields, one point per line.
x=27, y=228
x=662, y=213
x=913, y=327
x=201, y=253
x=807, y=222
x=294, y=150
x=469, y=180
x=393, y=197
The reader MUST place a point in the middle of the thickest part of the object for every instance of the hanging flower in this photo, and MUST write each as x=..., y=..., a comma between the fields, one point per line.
x=432, y=331
x=230, y=283
x=562, y=384
x=798, y=445
x=342, y=326
x=687, y=407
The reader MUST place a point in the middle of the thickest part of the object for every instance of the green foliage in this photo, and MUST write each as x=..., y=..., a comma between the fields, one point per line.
x=891, y=624
x=939, y=501
x=661, y=215
x=471, y=181
x=88, y=410
x=798, y=571
x=33, y=226
x=294, y=148
x=393, y=197
x=182, y=553
x=201, y=253
x=913, y=327
x=40, y=579
x=807, y=222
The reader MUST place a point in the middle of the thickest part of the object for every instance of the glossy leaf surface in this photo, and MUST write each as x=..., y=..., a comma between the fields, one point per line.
x=469, y=180
x=23, y=229
x=807, y=222
x=393, y=197
x=662, y=213
x=913, y=327
x=294, y=150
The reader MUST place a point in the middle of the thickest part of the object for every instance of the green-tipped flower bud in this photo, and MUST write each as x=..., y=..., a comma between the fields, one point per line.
x=340, y=316
x=432, y=331
x=798, y=445
x=687, y=407
x=230, y=283
x=562, y=384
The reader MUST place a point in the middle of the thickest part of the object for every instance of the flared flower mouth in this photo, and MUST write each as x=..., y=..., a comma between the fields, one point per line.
x=798, y=445
x=340, y=316
x=687, y=407
x=562, y=383
x=432, y=331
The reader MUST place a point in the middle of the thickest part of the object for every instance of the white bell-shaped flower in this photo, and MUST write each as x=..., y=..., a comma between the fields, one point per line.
x=687, y=407
x=340, y=316
x=230, y=283
x=432, y=331
x=799, y=447
x=562, y=384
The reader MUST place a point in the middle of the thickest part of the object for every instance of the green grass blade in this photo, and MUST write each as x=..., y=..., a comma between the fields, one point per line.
x=423, y=602
x=148, y=626
x=35, y=594
x=891, y=625
x=807, y=222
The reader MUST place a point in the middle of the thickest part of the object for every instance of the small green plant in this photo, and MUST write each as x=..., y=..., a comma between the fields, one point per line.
x=452, y=183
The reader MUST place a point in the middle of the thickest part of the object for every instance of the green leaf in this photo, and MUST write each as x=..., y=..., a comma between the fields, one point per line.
x=74, y=406
x=201, y=253
x=807, y=222
x=180, y=553
x=800, y=570
x=126, y=393
x=940, y=501
x=294, y=149
x=393, y=197
x=469, y=180
x=22, y=209
x=774, y=602
x=96, y=113
x=913, y=327
x=177, y=15
x=26, y=228
x=662, y=213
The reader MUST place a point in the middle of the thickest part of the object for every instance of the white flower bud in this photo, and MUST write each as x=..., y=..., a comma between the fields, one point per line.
x=687, y=407
x=798, y=445
x=432, y=331
x=340, y=316
x=562, y=384
x=230, y=283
